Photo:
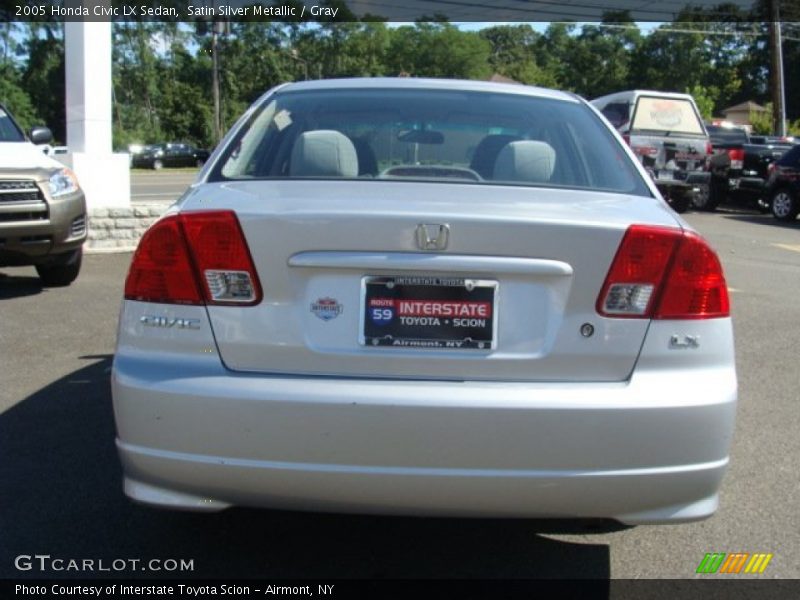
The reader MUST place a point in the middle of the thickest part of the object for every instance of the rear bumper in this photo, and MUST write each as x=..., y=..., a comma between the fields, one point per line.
x=686, y=187
x=195, y=436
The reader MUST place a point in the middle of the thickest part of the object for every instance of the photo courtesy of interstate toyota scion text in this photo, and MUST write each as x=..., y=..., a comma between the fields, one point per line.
x=425, y=297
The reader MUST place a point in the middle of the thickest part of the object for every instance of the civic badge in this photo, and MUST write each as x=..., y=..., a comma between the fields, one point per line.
x=432, y=236
x=327, y=308
x=684, y=342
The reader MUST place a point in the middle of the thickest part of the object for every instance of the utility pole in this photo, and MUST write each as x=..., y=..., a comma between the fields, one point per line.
x=215, y=82
x=776, y=79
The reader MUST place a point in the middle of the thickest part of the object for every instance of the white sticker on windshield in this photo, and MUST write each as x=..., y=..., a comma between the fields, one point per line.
x=282, y=120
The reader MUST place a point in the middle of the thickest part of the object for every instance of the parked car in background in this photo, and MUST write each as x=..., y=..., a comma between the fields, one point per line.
x=783, y=186
x=132, y=150
x=159, y=156
x=42, y=207
x=667, y=134
x=427, y=297
x=739, y=166
x=777, y=141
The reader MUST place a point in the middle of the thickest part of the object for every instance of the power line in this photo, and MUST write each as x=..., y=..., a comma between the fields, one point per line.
x=696, y=31
x=532, y=9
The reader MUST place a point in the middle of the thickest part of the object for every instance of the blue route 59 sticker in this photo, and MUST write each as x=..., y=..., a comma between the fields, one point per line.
x=381, y=310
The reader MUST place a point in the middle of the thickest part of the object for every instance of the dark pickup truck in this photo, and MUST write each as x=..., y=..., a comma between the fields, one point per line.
x=739, y=168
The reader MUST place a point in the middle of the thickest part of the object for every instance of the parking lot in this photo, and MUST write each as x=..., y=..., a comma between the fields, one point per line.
x=61, y=478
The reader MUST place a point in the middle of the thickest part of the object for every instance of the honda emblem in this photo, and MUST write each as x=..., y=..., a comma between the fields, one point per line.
x=432, y=236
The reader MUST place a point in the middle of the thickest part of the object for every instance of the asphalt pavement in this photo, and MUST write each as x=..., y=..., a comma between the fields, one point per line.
x=165, y=185
x=61, y=479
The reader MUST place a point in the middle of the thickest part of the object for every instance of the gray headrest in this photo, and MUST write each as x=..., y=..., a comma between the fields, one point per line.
x=323, y=153
x=526, y=161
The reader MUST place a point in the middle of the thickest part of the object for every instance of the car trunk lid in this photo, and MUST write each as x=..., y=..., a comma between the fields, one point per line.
x=326, y=253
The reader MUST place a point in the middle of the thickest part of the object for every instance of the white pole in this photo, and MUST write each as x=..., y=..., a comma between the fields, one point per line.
x=104, y=177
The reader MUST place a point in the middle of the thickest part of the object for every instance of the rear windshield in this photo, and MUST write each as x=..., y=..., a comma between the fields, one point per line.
x=424, y=135
x=9, y=132
x=726, y=135
x=668, y=115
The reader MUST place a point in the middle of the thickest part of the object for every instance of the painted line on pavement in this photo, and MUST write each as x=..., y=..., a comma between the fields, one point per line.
x=790, y=247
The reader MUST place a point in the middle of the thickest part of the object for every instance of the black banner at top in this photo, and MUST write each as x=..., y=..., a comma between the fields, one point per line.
x=454, y=11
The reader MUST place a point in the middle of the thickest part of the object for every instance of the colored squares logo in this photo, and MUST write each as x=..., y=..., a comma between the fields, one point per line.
x=734, y=563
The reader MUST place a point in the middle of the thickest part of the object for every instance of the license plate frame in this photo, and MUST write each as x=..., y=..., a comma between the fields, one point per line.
x=472, y=299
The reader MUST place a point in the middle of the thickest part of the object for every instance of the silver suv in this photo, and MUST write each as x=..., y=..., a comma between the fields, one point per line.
x=42, y=207
x=667, y=135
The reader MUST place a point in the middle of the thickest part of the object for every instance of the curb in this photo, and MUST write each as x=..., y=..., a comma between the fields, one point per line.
x=87, y=249
x=116, y=230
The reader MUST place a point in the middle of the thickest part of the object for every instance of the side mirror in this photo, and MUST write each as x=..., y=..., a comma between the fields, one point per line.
x=40, y=135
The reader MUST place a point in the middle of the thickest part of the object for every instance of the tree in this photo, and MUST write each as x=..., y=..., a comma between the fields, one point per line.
x=438, y=50
x=162, y=71
x=44, y=73
x=257, y=49
x=553, y=51
x=137, y=85
x=14, y=97
x=705, y=98
x=513, y=54
x=762, y=122
x=599, y=58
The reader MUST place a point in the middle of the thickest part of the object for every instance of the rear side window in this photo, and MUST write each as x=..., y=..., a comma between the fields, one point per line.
x=9, y=132
x=429, y=135
x=617, y=113
x=726, y=135
x=666, y=115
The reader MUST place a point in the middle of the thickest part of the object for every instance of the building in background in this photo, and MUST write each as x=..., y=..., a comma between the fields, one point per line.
x=740, y=113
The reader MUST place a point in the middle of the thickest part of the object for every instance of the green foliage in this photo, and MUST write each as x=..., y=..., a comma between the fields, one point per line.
x=43, y=76
x=162, y=72
x=438, y=50
x=514, y=54
x=705, y=98
x=16, y=99
x=762, y=122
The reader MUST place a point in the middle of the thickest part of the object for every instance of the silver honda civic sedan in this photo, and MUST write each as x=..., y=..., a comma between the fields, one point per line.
x=424, y=297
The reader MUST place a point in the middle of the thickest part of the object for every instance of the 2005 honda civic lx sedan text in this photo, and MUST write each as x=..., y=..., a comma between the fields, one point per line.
x=425, y=297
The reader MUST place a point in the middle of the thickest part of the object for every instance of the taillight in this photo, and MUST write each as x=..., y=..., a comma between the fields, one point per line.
x=645, y=150
x=694, y=287
x=161, y=270
x=771, y=168
x=221, y=257
x=709, y=149
x=664, y=273
x=737, y=158
x=194, y=258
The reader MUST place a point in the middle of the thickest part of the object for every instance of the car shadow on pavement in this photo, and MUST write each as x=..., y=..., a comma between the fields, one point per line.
x=17, y=287
x=762, y=220
x=62, y=489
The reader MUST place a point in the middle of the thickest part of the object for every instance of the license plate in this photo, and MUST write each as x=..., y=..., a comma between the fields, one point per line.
x=666, y=175
x=450, y=313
